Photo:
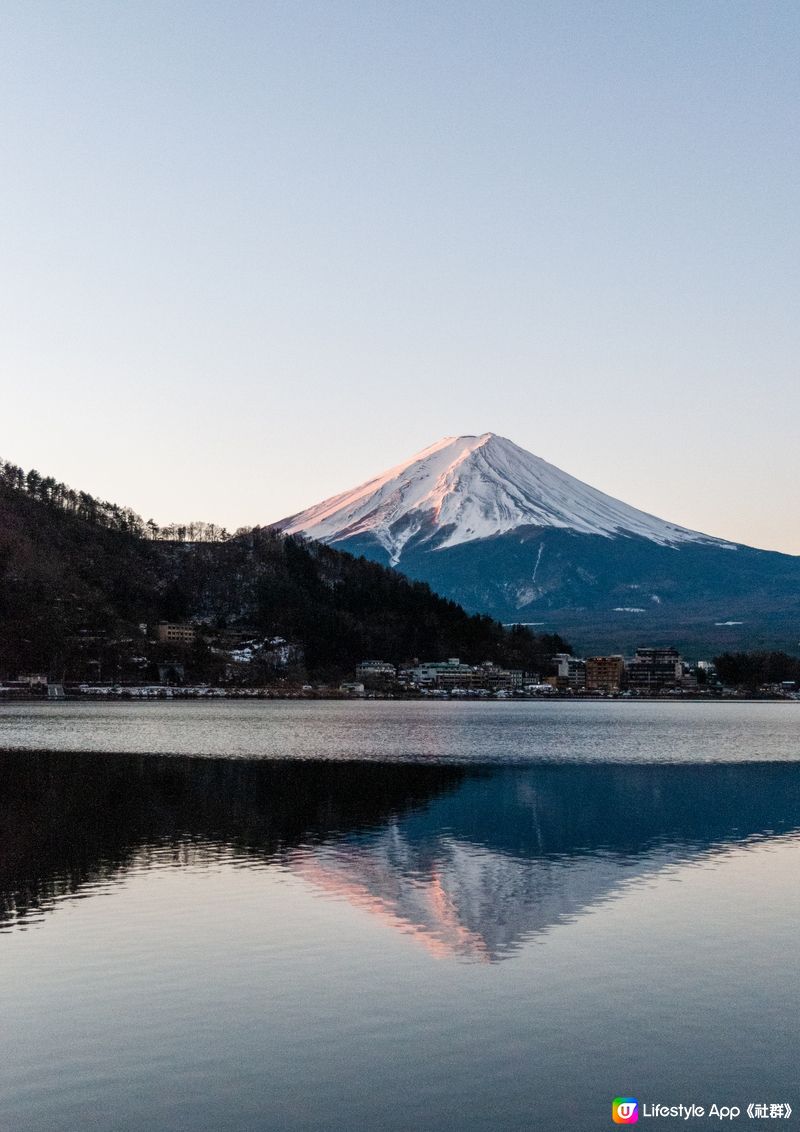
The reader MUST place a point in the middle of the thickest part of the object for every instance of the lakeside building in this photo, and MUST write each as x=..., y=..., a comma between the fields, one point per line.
x=352, y=687
x=604, y=673
x=172, y=633
x=443, y=674
x=377, y=670
x=651, y=670
x=33, y=680
x=571, y=671
x=35, y=684
x=654, y=668
x=498, y=679
x=447, y=675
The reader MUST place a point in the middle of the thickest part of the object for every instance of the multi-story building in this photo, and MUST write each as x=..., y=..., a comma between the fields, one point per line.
x=501, y=679
x=654, y=668
x=376, y=670
x=171, y=633
x=443, y=673
x=571, y=671
x=459, y=676
x=450, y=674
x=604, y=673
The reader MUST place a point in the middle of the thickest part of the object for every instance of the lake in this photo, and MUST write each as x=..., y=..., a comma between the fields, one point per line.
x=381, y=915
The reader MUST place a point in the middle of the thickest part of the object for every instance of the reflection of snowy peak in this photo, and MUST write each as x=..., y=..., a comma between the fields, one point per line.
x=511, y=852
x=463, y=899
x=472, y=487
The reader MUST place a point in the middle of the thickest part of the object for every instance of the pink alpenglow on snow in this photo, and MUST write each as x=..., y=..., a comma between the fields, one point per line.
x=465, y=488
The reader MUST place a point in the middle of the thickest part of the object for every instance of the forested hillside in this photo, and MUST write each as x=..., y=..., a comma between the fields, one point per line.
x=79, y=577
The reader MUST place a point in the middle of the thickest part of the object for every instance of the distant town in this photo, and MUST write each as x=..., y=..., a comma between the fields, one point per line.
x=651, y=671
x=159, y=665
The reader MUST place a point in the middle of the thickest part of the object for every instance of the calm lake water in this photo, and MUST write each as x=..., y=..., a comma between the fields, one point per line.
x=335, y=916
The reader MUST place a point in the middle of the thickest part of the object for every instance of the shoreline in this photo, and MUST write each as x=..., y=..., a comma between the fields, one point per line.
x=261, y=695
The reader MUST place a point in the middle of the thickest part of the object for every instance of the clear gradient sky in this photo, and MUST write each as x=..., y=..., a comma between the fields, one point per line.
x=255, y=252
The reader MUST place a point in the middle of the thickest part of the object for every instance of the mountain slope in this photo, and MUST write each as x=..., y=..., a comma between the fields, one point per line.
x=471, y=487
x=74, y=592
x=501, y=531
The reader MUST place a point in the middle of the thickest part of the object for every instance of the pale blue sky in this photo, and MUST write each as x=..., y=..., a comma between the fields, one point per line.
x=254, y=253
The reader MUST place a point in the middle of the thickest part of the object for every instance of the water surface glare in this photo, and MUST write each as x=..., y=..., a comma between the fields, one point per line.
x=526, y=911
x=531, y=731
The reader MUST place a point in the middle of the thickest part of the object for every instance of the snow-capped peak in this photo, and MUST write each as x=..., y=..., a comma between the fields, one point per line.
x=465, y=488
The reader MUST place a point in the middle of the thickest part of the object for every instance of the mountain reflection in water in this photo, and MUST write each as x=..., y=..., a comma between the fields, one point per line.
x=471, y=861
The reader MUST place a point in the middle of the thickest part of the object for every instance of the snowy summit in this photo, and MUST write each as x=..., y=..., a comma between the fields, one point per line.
x=465, y=488
x=502, y=532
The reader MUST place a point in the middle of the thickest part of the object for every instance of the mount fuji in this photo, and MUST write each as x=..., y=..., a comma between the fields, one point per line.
x=503, y=532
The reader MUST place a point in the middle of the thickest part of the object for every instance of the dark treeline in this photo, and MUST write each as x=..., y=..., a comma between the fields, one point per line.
x=78, y=579
x=754, y=669
x=346, y=609
x=53, y=493
x=68, y=817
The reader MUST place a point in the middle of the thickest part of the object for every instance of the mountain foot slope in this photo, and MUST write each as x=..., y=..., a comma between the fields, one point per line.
x=503, y=532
